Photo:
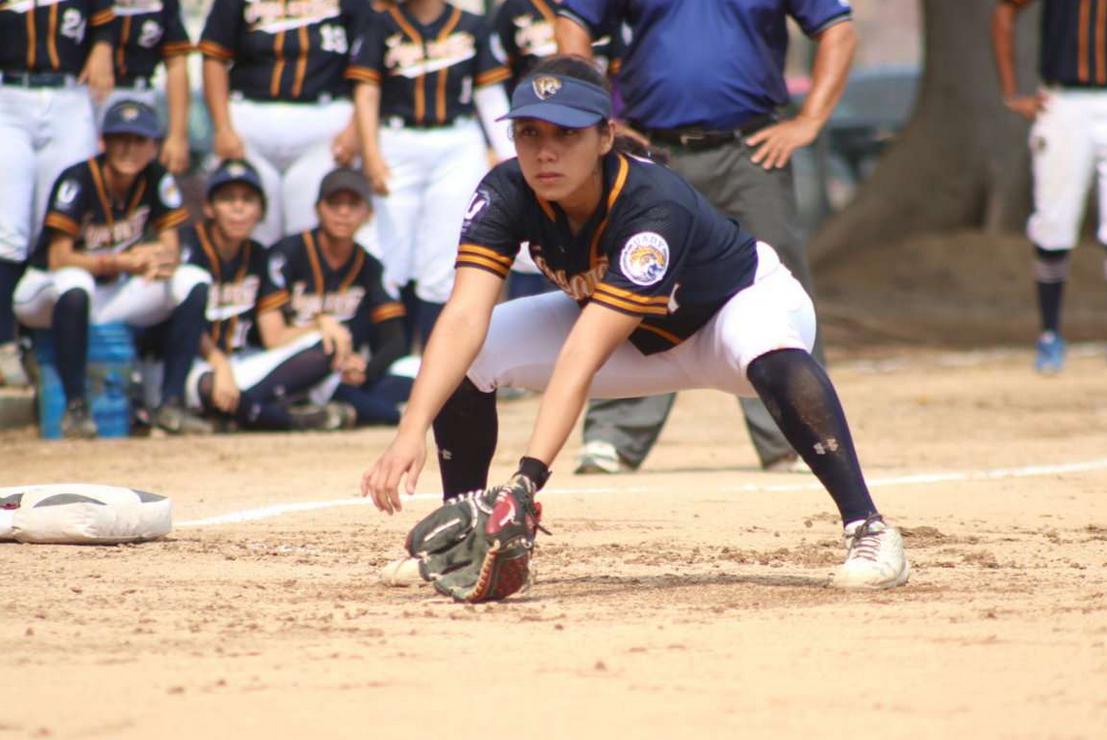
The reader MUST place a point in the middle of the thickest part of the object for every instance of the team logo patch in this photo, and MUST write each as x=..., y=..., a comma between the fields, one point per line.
x=169, y=192
x=276, y=269
x=645, y=258
x=67, y=192
x=477, y=203
x=545, y=87
x=129, y=113
x=236, y=169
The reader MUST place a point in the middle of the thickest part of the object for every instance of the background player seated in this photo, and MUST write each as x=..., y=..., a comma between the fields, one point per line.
x=92, y=264
x=239, y=380
x=322, y=280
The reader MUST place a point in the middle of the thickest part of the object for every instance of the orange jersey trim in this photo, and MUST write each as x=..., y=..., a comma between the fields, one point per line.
x=444, y=74
x=278, y=67
x=387, y=311
x=616, y=191
x=359, y=261
x=481, y=263
x=1101, y=42
x=629, y=308
x=1082, y=41
x=103, y=18
x=363, y=74
x=63, y=223
x=316, y=269
x=171, y=220
x=661, y=332
x=492, y=76
x=626, y=295
x=51, y=37
x=98, y=181
x=176, y=48
x=301, y=63
x=476, y=249
x=32, y=39
x=120, y=51
x=420, y=93
x=272, y=302
x=215, y=51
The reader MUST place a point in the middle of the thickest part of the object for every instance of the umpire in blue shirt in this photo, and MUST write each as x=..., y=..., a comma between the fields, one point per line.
x=705, y=80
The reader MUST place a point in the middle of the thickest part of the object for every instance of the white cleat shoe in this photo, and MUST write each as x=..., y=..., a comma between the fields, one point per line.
x=402, y=573
x=875, y=557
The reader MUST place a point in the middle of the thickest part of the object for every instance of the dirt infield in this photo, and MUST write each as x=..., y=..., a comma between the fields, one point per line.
x=685, y=601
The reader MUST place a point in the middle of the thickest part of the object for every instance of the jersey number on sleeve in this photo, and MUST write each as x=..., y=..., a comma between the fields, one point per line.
x=150, y=34
x=73, y=25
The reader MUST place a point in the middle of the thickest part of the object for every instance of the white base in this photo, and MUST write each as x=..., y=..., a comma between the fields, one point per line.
x=81, y=513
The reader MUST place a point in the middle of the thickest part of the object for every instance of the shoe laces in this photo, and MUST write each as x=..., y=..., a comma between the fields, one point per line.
x=864, y=542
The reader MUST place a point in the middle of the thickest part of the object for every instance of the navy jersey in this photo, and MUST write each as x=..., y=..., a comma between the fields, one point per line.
x=1073, y=50
x=524, y=34
x=44, y=36
x=654, y=248
x=426, y=72
x=148, y=32
x=710, y=63
x=303, y=284
x=292, y=51
x=235, y=285
x=80, y=206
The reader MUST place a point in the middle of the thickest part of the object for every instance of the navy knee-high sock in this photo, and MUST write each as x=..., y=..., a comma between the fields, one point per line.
x=182, y=342
x=802, y=401
x=70, y=327
x=1051, y=270
x=10, y=272
x=465, y=431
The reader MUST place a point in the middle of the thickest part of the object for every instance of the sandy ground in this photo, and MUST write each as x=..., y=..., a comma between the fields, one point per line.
x=687, y=600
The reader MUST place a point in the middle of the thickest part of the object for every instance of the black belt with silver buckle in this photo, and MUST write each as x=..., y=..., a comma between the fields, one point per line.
x=698, y=138
x=35, y=79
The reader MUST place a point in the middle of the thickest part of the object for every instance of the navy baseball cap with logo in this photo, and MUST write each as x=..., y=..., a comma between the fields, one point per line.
x=131, y=117
x=560, y=100
x=235, y=170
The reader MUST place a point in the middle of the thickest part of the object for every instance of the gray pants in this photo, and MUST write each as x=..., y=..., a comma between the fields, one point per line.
x=765, y=204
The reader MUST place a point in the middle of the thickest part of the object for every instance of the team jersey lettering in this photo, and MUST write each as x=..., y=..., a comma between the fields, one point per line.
x=117, y=236
x=306, y=305
x=410, y=59
x=274, y=16
x=580, y=286
x=125, y=8
x=227, y=300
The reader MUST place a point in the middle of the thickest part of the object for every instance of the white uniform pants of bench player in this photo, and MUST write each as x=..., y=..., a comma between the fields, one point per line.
x=1068, y=147
x=290, y=145
x=526, y=335
x=43, y=130
x=434, y=174
x=132, y=300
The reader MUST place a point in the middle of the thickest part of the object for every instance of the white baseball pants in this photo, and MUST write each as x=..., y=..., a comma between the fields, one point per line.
x=434, y=173
x=526, y=336
x=43, y=130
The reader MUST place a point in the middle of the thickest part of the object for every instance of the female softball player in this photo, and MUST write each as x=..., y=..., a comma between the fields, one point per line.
x=659, y=292
x=421, y=70
x=150, y=32
x=274, y=86
x=92, y=267
x=238, y=380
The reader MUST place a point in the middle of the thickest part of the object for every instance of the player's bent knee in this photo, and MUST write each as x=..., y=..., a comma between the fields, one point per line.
x=82, y=514
x=185, y=278
x=73, y=278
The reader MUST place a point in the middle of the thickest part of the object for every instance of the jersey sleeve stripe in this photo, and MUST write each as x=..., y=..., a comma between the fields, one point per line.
x=492, y=76
x=667, y=335
x=174, y=218
x=387, y=311
x=102, y=18
x=176, y=48
x=363, y=74
x=273, y=301
x=629, y=308
x=62, y=223
x=628, y=296
x=491, y=254
x=466, y=260
x=215, y=51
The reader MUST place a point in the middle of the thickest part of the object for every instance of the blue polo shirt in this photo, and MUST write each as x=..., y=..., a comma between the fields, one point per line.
x=709, y=63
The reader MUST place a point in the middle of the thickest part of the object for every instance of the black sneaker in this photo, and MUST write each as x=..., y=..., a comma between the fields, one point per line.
x=77, y=422
x=173, y=418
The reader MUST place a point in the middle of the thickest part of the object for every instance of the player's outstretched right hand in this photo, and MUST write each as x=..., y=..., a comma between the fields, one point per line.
x=404, y=458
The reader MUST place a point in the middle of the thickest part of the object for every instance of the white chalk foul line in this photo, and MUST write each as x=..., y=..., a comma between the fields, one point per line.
x=1029, y=471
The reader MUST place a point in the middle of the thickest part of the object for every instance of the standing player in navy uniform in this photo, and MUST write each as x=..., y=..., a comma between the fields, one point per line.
x=51, y=56
x=275, y=88
x=1068, y=144
x=323, y=280
x=94, y=265
x=151, y=32
x=523, y=36
x=422, y=69
x=660, y=292
x=239, y=380
x=705, y=79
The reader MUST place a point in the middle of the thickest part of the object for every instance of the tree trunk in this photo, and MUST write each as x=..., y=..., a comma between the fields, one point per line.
x=962, y=160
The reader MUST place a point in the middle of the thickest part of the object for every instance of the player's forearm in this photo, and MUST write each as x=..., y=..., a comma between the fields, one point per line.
x=388, y=346
x=177, y=95
x=833, y=57
x=1003, y=47
x=367, y=104
x=572, y=38
x=217, y=90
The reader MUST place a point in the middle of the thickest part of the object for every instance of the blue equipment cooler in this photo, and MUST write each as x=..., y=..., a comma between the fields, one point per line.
x=111, y=357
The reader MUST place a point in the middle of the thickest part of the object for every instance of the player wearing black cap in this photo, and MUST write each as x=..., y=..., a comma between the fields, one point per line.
x=93, y=265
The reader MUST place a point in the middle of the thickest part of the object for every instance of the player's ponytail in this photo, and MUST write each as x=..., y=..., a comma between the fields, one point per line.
x=580, y=68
